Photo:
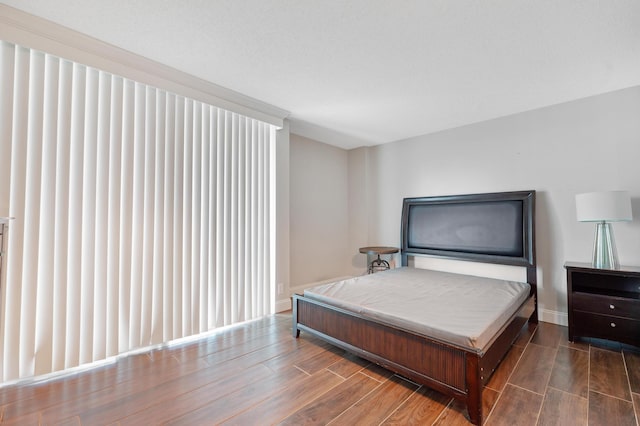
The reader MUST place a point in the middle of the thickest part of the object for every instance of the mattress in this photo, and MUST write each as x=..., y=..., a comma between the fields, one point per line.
x=463, y=310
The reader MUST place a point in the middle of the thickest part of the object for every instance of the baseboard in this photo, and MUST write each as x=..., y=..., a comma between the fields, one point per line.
x=554, y=317
x=283, y=305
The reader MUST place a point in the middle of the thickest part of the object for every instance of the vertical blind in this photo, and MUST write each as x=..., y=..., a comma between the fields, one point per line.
x=141, y=216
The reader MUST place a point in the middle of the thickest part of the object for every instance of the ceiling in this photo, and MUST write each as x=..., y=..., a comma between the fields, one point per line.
x=365, y=72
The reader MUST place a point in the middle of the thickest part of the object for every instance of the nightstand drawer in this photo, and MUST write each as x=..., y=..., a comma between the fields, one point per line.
x=606, y=327
x=607, y=305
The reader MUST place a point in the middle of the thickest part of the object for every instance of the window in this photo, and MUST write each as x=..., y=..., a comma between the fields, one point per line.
x=142, y=216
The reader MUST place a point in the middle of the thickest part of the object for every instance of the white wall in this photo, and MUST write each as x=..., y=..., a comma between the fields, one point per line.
x=319, y=219
x=360, y=191
x=586, y=145
x=282, y=242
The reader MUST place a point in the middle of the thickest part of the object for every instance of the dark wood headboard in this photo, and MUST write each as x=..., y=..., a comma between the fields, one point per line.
x=497, y=228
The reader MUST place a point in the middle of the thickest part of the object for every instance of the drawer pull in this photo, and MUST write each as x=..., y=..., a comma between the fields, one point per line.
x=613, y=325
x=611, y=307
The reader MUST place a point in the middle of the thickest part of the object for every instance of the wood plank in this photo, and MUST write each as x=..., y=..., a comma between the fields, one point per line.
x=320, y=361
x=580, y=343
x=254, y=404
x=423, y=407
x=562, y=408
x=606, y=410
x=636, y=406
x=73, y=421
x=163, y=372
x=75, y=393
x=244, y=348
x=499, y=378
x=283, y=404
x=334, y=402
x=348, y=365
x=92, y=379
x=22, y=400
x=237, y=392
x=9, y=394
x=548, y=335
x=306, y=349
x=571, y=371
x=632, y=361
x=28, y=419
x=378, y=373
x=261, y=355
x=608, y=374
x=534, y=369
x=525, y=334
x=379, y=404
x=168, y=390
x=244, y=334
x=456, y=414
x=516, y=406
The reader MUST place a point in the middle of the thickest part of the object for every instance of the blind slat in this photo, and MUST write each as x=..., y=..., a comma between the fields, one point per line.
x=141, y=216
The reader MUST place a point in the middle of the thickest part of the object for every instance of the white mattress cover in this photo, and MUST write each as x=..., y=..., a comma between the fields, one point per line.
x=461, y=309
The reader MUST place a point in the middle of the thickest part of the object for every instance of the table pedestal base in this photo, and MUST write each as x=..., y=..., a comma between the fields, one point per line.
x=378, y=265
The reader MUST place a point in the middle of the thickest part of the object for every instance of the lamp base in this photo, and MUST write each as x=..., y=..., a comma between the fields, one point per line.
x=604, y=248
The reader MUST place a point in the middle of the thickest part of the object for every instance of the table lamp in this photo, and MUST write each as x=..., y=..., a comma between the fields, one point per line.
x=603, y=208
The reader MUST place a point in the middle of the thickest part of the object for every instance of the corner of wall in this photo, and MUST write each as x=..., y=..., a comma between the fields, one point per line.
x=282, y=254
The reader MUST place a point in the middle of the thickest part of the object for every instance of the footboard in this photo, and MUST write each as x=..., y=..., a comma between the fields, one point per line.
x=445, y=368
x=452, y=370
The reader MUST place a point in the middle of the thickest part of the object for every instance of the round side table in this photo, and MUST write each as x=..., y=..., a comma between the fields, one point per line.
x=378, y=264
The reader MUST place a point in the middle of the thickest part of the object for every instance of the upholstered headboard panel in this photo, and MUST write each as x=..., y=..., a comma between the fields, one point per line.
x=490, y=228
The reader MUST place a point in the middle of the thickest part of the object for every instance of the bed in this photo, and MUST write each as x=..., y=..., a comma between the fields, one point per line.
x=493, y=228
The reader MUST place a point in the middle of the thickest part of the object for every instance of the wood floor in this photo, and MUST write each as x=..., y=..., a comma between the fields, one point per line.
x=258, y=374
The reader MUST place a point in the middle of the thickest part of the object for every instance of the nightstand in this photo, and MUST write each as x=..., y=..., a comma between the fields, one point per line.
x=604, y=303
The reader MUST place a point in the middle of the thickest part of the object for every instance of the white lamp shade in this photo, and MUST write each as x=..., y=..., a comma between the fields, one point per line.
x=607, y=206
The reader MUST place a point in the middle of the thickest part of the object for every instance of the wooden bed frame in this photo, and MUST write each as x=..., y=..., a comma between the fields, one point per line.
x=448, y=368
